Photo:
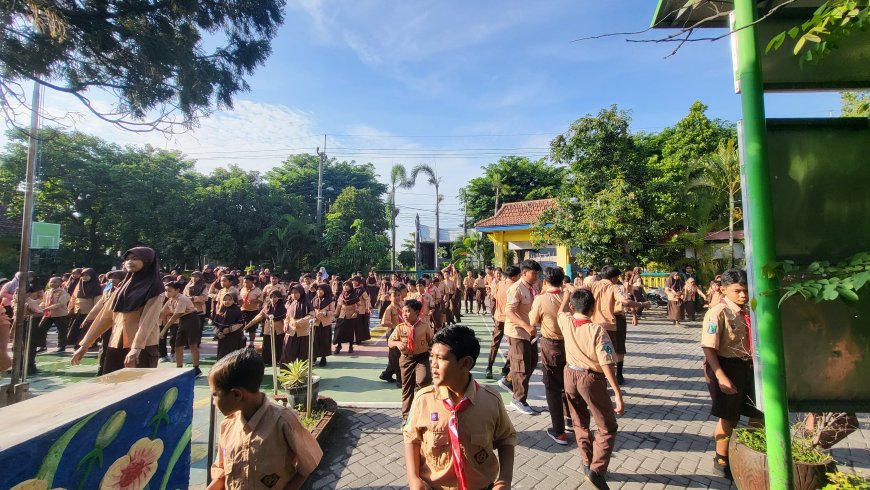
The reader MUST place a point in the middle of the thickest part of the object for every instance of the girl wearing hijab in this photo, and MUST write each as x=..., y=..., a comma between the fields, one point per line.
x=351, y=324
x=197, y=290
x=372, y=288
x=324, y=314
x=296, y=326
x=133, y=315
x=228, y=325
x=73, y=281
x=691, y=291
x=82, y=301
x=7, y=292
x=337, y=287
x=674, y=290
x=275, y=308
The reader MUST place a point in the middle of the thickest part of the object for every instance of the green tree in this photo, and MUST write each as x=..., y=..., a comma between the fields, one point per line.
x=435, y=181
x=398, y=179
x=470, y=251
x=721, y=174
x=358, y=249
x=511, y=179
x=353, y=204
x=157, y=58
x=297, y=176
x=855, y=104
x=288, y=242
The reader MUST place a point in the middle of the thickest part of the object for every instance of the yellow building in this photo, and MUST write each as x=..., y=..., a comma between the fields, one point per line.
x=510, y=229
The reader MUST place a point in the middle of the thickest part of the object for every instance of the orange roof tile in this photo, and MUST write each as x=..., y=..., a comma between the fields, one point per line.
x=517, y=213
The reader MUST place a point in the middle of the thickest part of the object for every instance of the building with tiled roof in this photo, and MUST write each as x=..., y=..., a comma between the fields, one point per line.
x=510, y=229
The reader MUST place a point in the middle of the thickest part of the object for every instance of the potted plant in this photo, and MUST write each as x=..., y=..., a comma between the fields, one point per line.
x=294, y=378
x=747, y=451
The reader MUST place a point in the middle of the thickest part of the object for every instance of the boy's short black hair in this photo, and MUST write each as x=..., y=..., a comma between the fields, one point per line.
x=734, y=276
x=530, y=265
x=609, y=272
x=414, y=305
x=412, y=283
x=554, y=275
x=461, y=340
x=239, y=369
x=512, y=271
x=423, y=282
x=582, y=301
x=31, y=289
x=251, y=277
x=176, y=285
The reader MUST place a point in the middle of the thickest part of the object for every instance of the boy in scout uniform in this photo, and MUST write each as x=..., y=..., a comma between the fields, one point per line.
x=413, y=338
x=511, y=275
x=725, y=338
x=590, y=368
x=262, y=444
x=545, y=313
x=456, y=426
x=523, y=353
x=392, y=317
x=184, y=313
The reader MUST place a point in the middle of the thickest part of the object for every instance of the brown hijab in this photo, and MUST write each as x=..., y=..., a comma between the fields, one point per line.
x=91, y=288
x=352, y=295
x=141, y=286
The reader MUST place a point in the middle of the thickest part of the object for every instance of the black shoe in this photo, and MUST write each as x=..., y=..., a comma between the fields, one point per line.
x=569, y=424
x=386, y=377
x=398, y=383
x=721, y=467
x=350, y=349
x=197, y=372
x=620, y=379
x=560, y=439
x=322, y=362
x=337, y=349
x=596, y=480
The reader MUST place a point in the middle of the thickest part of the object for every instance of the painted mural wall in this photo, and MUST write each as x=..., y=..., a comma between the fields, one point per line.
x=135, y=442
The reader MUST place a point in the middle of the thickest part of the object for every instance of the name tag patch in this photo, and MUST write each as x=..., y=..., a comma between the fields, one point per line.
x=711, y=328
x=481, y=456
x=433, y=417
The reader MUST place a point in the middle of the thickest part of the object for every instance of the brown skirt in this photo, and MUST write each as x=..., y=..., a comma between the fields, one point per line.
x=114, y=358
x=232, y=342
x=361, y=331
x=345, y=329
x=322, y=341
x=675, y=311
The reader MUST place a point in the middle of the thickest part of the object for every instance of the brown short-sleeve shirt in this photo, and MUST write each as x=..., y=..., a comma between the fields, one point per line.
x=180, y=305
x=500, y=296
x=483, y=427
x=724, y=329
x=251, y=299
x=423, y=335
x=392, y=316
x=266, y=451
x=587, y=344
x=545, y=312
x=519, y=300
x=606, y=294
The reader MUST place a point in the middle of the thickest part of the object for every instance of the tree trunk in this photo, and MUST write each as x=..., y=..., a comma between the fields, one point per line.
x=393, y=229
x=731, y=230
x=497, y=188
x=437, y=223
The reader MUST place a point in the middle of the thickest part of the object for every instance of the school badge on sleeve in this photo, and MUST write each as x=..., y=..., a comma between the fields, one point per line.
x=711, y=328
x=270, y=480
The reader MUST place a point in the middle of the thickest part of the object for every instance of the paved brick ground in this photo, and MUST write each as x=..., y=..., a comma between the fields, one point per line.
x=664, y=438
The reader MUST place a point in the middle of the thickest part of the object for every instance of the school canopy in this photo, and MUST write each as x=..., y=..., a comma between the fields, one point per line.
x=679, y=14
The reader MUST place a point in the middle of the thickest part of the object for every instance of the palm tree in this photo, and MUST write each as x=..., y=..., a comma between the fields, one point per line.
x=468, y=252
x=496, y=181
x=398, y=179
x=434, y=180
x=722, y=173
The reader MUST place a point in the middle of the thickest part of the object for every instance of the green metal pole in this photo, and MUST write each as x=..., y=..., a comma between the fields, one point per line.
x=770, y=348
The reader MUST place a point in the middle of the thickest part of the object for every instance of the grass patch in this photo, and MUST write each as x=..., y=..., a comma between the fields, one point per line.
x=802, y=449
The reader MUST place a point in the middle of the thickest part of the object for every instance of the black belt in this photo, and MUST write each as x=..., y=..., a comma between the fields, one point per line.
x=583, y=369
x=553, y=341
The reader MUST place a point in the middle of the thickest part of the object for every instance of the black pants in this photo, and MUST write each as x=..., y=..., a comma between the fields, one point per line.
x=59, y=322
x=75, y=328
x=171, y=334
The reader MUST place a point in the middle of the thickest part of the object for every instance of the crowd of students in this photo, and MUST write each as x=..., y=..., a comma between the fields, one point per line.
x=577, y=330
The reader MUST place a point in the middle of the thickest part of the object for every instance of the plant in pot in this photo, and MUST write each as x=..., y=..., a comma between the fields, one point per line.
x=748, y=455
x=294, y=378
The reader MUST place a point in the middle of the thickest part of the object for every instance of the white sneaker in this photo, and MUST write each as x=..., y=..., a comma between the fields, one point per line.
x=522, y=407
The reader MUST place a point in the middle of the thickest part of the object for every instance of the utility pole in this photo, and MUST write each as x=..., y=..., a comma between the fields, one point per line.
x=417, y=244
x=16, y=389
x=464, y=212
x=322, y=155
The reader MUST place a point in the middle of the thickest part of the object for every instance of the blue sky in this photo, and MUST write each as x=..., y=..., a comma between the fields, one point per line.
x=453, y=84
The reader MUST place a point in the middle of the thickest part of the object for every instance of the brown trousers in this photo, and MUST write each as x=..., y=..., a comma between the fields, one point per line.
x=553, y=366
x=587, y=392
x=416, y=373
x=523, y=356
x=497, y=335
x=114, y=360
x=457, y=306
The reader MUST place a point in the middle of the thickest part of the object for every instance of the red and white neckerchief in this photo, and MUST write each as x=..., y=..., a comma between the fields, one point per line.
x=245, y=296
x=579, y=322
x=555, y=291
x=747, y=320
x=453, y=430
x=411, y=337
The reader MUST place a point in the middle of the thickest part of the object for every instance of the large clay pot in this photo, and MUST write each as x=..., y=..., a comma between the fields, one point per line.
x=749, y=469
x=298, y=395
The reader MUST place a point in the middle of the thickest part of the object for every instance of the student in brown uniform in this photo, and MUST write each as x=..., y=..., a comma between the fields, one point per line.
x=674, y=290
x=456, y=427
x=545, y=313
x=55, y=307
x=283, y=452
x=272, y=315
x=297, y=326
x=590, y=359
x=691, y=292
x=81, y=302
x=197, y=290
x=468, y=284
x=512, y=274
x=523, y=352
x=480, y=292
x=392, y=318
x=435, y=290
x=324, y=314
x=610, y=306
x=413, y=338
x=132, y=315
x=252, y=301
x=726, y=341
x=228, y=324
x=185, y=314
x=274, y=285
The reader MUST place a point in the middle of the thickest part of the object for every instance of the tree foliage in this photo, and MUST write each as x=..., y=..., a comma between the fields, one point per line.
x=158, y=59
x=855, y=104
x=515, y=179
